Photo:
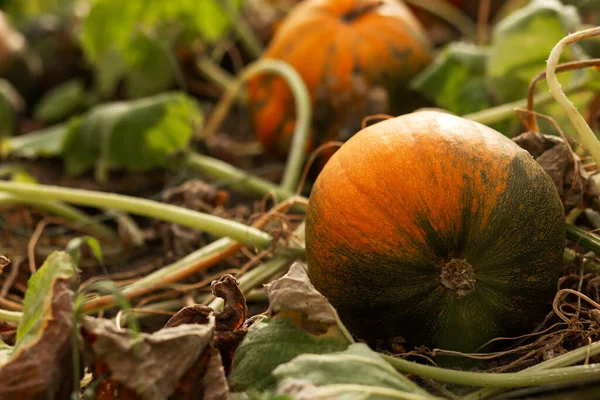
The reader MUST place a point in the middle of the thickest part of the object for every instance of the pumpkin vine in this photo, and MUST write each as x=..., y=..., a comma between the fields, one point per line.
x=301, y=133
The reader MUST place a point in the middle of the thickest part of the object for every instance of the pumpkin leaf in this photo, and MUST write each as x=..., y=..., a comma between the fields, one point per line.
x=356, y=373
x=521, y=43
x=269, y=343
x=40, y=363
x=456, y=79
x=61, y=101
x=135, y=46
x=294, y=295
x=137, y=135
x=11, y=103
x=151, y=365
x=300, y=320
x=46, y=142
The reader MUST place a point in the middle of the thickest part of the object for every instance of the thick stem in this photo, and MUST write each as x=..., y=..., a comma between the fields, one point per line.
x=214, y=73
x=62, y=210
x=449, y=13
x=570, y=66
x=263, y=272
x=504, y=111
x=10, y=316
x=589, y=240
x=495, y=380
x=149, y=208
x=234, y=178
x=193, y=262
x=586, y=135
x=303, y=113
x=563, y=360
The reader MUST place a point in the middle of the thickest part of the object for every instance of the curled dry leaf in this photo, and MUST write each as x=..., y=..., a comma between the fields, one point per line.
x=229, y=331
x=294, y=294
x=574, y=184
x=151, y=365
x=40, y=364
x=235, y=310
x=3, y=262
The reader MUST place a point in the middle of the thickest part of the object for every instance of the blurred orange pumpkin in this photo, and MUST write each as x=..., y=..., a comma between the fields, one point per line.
x=355, y=57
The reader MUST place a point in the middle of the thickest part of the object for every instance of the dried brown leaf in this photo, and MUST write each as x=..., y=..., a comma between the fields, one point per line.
x=294, y=293
x=205, y=380
x=151, y=364
x=3, y=262
x=575, y=186
x=43, y=369
x=235, y=310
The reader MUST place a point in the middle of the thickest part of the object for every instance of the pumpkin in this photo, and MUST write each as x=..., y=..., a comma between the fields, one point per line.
x=437, y=229
x=341, y=49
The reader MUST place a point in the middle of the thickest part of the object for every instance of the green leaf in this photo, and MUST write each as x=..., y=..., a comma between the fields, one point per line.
x=150, y=68
x=356, y=373
x=61, y=101
x=456, y=79
x=269, y=343
x=38, y=299
x=137, y=135
x=47, y=142
x=134, y=46
x=40, y=364
x=28, y=10
x=522, y=42
x=74, y=248
x=10, y=103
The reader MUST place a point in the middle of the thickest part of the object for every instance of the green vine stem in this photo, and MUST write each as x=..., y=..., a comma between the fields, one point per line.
x=495, y=380
x=213, y=72
x=584, y=238
x=563, y=360
x=263, y=272
x=504, y=111
x=243, y=30
x=162, y=276
x=234, y=178
x=62, y=210
x=571, y=255
x=586, y=135
x=303, y=113
x=149, y=208
x=10, y=316
x=449, y=13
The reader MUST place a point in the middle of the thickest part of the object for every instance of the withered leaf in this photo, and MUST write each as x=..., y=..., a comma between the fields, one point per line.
x=229, y=332
x=295, y=293
x=3, y=262
x=150, y=364
x=574, y=184
x=205, y=380
x=234, y=311
x=40, y=364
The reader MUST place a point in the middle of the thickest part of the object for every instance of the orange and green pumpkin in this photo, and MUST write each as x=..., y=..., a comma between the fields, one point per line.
x=341, y=49
x=437, y=229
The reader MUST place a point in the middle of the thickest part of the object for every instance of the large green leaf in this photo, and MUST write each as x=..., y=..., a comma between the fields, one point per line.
x=456, y=79
x=137, y=135
x=130, y=39
x=269, y=343
x=38, y=299
x=40, y=364
x=61, y=101
x=522, y=42
x=356, y=373
x=46, y=142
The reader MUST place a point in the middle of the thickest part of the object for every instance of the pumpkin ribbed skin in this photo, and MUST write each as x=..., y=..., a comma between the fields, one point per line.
x=410, y=199
x=340, y=48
